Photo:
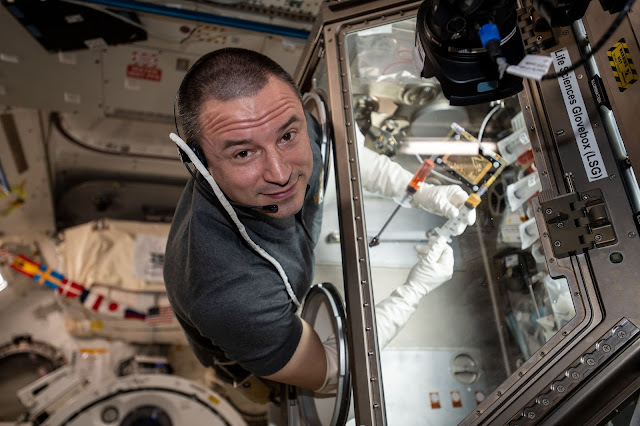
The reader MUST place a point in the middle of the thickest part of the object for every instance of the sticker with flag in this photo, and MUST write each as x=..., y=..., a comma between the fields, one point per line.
x=99, y=303
x=70, y=289
x=131, y=314
x=25, y=266
x=46, y=276
x=160, y=315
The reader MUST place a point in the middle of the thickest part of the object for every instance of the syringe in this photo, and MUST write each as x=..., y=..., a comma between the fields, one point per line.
x=421, y=174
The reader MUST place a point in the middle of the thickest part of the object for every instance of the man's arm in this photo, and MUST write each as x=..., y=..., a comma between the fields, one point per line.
x=307, y=367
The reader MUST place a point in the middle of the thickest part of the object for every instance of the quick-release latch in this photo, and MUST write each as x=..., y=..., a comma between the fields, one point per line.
x=578, y=222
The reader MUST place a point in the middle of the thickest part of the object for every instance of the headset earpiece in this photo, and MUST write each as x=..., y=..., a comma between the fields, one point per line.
x=196, y=150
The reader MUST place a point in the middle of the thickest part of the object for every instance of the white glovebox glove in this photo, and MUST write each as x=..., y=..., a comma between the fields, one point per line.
x=383, y=176
x=330, y=384
x=434, y=268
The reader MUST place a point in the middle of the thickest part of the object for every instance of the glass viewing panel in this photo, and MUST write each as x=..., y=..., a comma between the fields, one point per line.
x=501, y=306
x=328, y=260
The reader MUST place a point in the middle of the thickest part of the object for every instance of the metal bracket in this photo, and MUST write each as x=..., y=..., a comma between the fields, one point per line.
x=580, y=371
x=578, y=222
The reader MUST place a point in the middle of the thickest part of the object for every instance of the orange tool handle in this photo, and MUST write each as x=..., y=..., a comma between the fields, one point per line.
x=422, y=173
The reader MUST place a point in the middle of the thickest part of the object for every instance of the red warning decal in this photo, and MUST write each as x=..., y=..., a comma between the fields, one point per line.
x=144, y=66
x=456, y=399
x=435, y=400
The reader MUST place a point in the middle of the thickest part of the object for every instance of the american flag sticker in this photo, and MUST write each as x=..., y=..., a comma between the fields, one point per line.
x=160, y=315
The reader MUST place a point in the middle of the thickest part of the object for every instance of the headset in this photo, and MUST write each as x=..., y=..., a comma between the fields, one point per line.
x=197, y=151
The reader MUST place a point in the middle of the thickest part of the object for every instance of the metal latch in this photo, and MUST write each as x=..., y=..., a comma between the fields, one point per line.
x=578, y=222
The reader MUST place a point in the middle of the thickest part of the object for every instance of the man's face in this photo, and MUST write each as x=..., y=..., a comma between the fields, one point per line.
x=258, y=148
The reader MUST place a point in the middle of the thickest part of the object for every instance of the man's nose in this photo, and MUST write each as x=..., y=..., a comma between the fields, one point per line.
x=276, y=168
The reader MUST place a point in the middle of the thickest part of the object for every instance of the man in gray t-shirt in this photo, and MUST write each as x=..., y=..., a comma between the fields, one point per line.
x=239, y=257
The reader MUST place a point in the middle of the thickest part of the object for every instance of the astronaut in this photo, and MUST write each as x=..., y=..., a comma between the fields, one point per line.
x=239, y=256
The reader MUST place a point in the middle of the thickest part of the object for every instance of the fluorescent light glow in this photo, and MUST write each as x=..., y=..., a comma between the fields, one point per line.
x=425, y=146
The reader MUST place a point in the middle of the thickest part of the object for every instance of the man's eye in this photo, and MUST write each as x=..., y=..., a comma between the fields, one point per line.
x=242, y=154
x=288, y=136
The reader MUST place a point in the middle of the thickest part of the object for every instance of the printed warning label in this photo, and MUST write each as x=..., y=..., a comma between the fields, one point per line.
x=144, y=66
x=622, y=65
x=582, y=130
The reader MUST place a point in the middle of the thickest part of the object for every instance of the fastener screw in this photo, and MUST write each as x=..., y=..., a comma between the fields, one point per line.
x=557, y=243
x=631, y=234
x=575, y=375
x=531, y=415
x=622, y=334
x=598, y=237
x=591, y=362
x=548, y=211
x=585, y=197
x=545, y=401
x=560, y=225
x=606, y=348
x=560, y=388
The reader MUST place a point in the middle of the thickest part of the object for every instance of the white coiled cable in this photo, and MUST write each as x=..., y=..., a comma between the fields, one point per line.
x=232, y=213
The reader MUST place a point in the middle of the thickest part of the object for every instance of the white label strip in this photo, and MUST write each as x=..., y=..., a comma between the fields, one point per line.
x=582, y=130
x=531, y=66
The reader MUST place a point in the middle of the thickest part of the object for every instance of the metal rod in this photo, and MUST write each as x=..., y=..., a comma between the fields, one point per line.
x=533, y=297
x=376, y=240
x=494, y=303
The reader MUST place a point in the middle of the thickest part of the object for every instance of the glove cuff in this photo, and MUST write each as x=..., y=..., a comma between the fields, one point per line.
x=330, y=384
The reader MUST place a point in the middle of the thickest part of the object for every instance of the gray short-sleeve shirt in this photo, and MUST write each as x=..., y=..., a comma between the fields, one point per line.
x=230, y=301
